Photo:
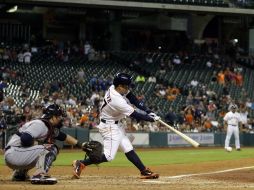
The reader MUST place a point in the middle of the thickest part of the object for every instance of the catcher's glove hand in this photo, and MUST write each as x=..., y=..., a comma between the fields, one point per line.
x=93, y=150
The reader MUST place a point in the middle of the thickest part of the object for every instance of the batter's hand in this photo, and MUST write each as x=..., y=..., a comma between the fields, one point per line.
x=154, y=116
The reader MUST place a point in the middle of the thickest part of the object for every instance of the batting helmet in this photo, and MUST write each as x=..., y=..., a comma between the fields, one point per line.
x=122, y=78
x=53, y=110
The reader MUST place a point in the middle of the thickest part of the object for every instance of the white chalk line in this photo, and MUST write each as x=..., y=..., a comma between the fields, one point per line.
x=197, y=174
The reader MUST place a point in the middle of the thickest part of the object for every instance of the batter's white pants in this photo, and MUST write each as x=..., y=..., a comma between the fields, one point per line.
x=232, y=130
x=114, y=136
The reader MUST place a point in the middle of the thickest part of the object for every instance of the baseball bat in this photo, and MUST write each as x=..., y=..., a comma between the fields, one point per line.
x=185, y=137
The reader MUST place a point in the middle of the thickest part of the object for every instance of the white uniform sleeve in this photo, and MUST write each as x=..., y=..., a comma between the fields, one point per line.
x=226, y=117
x=123, y=107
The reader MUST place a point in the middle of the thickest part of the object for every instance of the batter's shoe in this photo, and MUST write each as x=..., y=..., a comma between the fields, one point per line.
x=20, y=175
x=238, y=149
x=43, y=179
x=77, y=169
x=148, y=174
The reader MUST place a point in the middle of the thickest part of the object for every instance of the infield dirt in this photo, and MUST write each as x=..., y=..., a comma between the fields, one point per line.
x=127, y=178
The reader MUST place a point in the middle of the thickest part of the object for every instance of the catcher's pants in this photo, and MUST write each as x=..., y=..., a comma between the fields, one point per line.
x=114, y=136
x=23, y=158
x=232, y=130
x=26, y=158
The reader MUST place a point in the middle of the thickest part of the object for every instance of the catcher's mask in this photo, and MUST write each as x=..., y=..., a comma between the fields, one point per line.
x=53, y=110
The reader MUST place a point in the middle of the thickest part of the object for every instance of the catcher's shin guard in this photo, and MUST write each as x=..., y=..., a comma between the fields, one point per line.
x=77, y=169
x=148, y=174
x=46, y=158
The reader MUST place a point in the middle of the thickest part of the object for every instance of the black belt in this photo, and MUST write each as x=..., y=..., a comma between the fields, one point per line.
x=105, y=121
x=232, y=125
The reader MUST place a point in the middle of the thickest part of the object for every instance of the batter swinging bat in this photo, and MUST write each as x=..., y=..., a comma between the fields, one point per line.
x=185, y=137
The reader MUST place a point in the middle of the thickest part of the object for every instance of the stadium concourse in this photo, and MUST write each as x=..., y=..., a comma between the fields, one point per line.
x=189, y=90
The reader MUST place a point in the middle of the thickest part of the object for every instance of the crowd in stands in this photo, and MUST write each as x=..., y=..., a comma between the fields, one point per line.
x=203, y=110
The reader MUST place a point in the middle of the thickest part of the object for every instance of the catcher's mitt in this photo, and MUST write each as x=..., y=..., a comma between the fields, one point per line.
x=93, y=150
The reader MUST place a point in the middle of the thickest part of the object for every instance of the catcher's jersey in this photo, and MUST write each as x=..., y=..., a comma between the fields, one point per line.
x=115, y=106
x=36, y=128
x=232, y=118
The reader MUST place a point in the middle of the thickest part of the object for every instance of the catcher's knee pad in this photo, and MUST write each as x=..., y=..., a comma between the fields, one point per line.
x=46, y=158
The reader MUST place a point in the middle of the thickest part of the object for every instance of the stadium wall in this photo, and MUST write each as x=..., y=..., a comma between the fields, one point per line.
x=153, y=139
x=163, y=139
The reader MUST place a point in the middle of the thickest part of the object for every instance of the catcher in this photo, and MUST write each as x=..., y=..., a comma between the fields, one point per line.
x=33, y=146
x=116, y=106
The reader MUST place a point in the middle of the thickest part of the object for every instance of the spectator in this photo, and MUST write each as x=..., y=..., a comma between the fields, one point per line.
x=176, y=60
x=189, y=116
x=149, y=59
x=239, y=79
x=27, y=56
x=87, y=48
x=81, y=76
x=95, y=98
x=244, y=117
x=140, y=79
x=20, y=57
x=209, y=64
x=152, y=79
x=221, y=78
x=194, y=83
x=211, y=108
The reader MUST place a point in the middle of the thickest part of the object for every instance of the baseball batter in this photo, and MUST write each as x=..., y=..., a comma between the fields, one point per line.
x=116, y=106
x=33, y=146
x=232, y=120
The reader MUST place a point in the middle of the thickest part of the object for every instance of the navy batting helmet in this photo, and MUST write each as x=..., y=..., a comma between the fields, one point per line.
x=122, y=78
x=53, y=110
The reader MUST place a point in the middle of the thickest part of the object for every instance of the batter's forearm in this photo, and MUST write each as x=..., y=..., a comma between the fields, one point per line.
x=133, y=100
x=140, y=116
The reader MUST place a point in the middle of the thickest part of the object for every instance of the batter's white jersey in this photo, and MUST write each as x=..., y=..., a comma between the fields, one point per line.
x=115, y=106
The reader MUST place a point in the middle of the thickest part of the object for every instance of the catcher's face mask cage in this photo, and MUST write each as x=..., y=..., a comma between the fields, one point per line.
x=53, y=110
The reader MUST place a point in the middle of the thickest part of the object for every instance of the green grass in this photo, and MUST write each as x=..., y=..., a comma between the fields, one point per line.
x=162, y=156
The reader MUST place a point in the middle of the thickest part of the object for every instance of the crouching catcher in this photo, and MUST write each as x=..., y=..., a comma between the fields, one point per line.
x=33, y=146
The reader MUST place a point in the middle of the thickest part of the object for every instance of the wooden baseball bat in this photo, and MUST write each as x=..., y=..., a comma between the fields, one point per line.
x=185, y=137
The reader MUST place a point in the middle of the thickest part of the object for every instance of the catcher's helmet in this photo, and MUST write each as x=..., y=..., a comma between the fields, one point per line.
x=122, y=78
x=53, y=110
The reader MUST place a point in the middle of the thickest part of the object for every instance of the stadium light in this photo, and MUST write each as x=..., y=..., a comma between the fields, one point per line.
x=13, y=9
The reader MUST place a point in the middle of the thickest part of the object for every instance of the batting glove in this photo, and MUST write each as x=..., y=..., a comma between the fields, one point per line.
x=154, y=116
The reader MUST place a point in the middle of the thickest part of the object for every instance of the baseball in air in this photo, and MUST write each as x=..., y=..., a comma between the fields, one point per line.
x=229, y=149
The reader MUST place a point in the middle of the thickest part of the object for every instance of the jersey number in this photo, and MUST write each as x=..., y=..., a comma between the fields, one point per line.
x=106, y=100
